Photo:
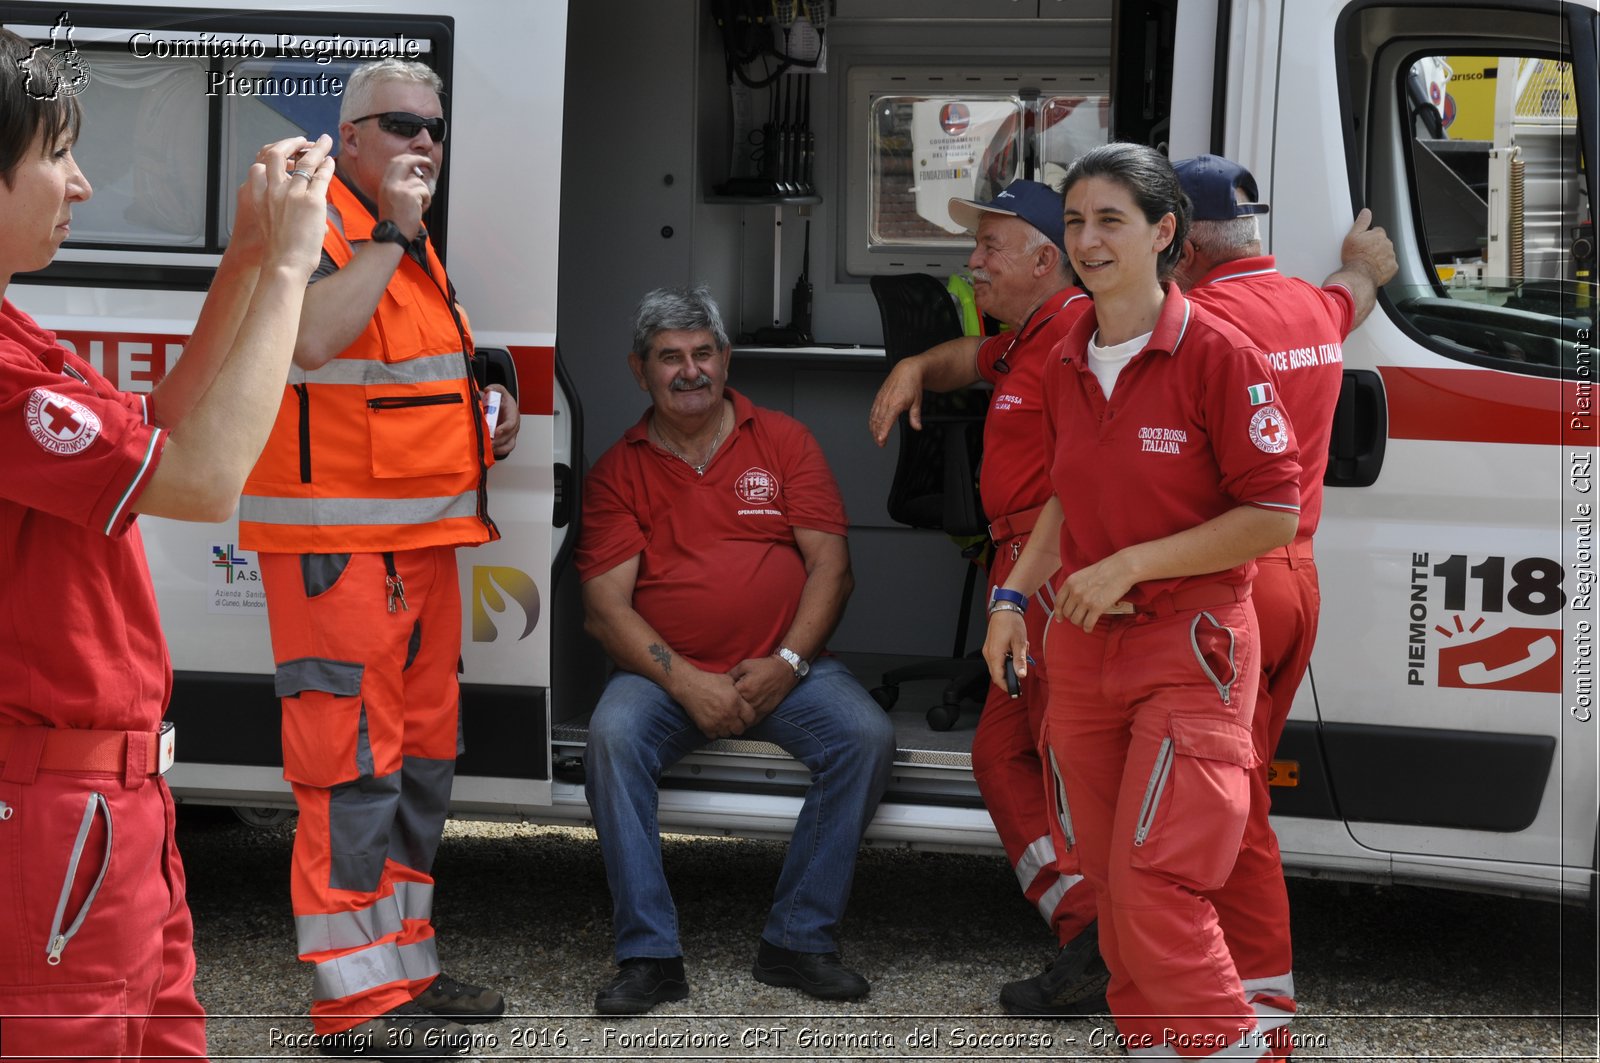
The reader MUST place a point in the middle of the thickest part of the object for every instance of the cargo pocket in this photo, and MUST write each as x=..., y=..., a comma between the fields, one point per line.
x=1196, y=800
x=407, y=426
x=1214, y=647
x=324, y=721
x=87, y=1021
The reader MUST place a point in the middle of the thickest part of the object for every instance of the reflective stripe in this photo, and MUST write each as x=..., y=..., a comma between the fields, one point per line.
x=1052, y=896
x=359, y=972
x=415, y=899
x=347, y=930
x=258, y=509
x=1266, y=995
x=1034, y=859
x=421, y=961
x=428, y=370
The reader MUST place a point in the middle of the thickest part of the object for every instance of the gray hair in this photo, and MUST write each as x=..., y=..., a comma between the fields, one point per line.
x=358, y=91
x=676, y=310
x=1224, y=241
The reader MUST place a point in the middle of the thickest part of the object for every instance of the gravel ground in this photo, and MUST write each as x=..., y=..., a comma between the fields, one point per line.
x=1382, y=973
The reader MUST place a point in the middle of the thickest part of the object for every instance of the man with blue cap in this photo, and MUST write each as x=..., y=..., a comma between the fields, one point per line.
x=1300, y=329
x=1020, y=276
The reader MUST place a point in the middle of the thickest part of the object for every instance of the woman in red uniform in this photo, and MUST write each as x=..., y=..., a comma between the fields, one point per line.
x=1173, y=468
x=96, y=950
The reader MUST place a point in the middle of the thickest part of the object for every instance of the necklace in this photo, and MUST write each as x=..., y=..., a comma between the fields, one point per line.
x=699, y=467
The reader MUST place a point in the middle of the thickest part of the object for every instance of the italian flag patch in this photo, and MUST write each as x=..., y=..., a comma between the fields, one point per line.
x=1260, y=394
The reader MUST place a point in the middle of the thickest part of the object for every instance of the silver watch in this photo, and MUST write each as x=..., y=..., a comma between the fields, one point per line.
x=794, y=660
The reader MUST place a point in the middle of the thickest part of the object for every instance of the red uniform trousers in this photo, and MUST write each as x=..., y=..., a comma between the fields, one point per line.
x=1149, y=721
x=371, y=728
x=1018, y=790
x=124, y=984
x=1254, y=904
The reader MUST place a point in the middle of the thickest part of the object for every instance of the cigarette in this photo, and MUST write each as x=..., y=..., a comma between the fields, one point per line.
x=418, y=171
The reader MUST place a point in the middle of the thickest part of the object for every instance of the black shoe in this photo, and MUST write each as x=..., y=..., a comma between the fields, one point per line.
x=818, y=973
x=406, y=1033
x=641, y=985
x=1074, y=984
x=460, y=1002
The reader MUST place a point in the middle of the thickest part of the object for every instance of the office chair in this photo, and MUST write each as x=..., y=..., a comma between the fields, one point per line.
x=935, y=475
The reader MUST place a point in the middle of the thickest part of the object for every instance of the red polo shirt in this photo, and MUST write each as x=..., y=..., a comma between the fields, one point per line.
x=1186, y=436
x=1014, y=476
x=80, y=638
x=1300, y=328
x=719, y=572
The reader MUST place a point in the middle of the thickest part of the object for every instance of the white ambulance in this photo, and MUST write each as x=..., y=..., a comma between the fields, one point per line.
x=1447, y=732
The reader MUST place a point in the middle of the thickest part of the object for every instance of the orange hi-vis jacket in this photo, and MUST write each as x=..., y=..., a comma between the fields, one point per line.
x=385, y=447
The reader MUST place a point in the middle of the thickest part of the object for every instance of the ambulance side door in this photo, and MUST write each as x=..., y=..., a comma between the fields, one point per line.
x=1455, y=552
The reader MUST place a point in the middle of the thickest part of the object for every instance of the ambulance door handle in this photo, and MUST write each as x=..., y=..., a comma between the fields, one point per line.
x=1360, y=422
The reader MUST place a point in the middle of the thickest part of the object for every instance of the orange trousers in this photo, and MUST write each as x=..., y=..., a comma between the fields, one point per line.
x=371, y=730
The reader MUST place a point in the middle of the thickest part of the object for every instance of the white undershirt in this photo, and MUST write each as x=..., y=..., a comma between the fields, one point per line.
x=1107, y=362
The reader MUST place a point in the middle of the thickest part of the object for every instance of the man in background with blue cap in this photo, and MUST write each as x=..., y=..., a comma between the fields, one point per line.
x=1020, y=276
x=1300, y=329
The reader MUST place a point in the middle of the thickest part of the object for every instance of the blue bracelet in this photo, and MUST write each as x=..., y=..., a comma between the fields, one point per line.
x=1016, y=598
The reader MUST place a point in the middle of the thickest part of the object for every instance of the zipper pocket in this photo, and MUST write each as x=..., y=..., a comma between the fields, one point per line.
x=1152, y=791
x=303, y=391
x=96, y=805
x=401, y=402
x=1063, y=810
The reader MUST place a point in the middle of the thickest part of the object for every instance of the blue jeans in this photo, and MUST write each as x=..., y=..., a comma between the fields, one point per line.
x=828, y=722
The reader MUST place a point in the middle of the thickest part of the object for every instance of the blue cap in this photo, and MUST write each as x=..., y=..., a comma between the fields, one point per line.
x=1210, y=180
x=1037, y=204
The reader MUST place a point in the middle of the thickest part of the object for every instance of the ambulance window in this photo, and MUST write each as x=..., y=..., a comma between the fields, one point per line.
x=926, y=149
x=919, y=136
x=1495, y=240
x=175, y=107
x=143, y=147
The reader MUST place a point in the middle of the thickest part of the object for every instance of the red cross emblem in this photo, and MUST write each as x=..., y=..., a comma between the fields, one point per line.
x=58, y=424
x=1268, y=430
x=60, y=420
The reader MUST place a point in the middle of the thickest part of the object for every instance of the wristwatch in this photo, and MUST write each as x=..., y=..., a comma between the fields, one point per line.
x=794, y=660
x=387, y=232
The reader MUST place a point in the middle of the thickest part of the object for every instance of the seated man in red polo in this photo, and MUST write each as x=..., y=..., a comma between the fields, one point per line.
x=714, y=567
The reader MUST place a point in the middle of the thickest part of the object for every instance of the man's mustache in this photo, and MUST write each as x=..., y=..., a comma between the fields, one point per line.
x=680, y=384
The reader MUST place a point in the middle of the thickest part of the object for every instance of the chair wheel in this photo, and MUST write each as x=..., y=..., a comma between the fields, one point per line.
x=885, y=696
x=943, y=717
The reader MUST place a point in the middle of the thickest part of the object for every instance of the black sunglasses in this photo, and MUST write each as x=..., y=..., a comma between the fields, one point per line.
x=405, y=124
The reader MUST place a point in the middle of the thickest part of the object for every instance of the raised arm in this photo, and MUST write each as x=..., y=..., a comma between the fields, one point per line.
x=223, y=408
x=1367, y=264
x=339, y=307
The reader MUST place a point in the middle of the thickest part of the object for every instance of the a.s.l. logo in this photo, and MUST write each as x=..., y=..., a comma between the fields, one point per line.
x=488, y=583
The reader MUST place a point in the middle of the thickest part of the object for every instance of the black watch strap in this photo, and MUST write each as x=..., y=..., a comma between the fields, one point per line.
x=387, y=232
